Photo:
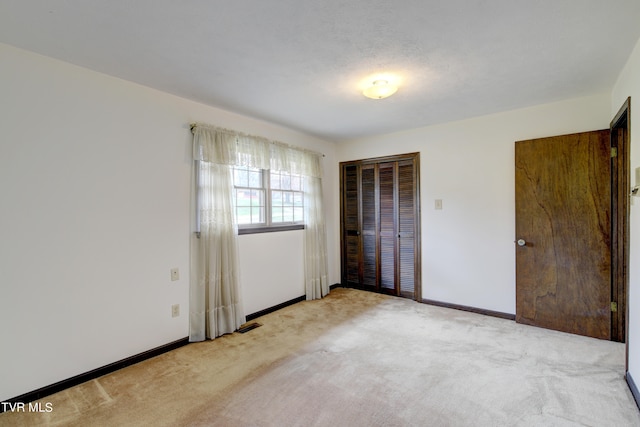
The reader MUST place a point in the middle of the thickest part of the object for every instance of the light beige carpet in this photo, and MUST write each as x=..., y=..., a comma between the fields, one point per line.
x=362, y=359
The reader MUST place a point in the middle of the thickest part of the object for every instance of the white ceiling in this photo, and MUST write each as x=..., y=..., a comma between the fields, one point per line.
x=301, y=63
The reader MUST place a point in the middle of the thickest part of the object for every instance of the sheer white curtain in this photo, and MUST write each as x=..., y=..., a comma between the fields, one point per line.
x=215, y=298
x=315, y=241
x=216, y=306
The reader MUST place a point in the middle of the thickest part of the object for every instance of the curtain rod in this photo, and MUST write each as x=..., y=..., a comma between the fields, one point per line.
x=195, y=125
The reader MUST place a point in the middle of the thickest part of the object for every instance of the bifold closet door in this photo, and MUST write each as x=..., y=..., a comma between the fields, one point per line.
x=360, y=267
x=380, y=250
x=397, y=228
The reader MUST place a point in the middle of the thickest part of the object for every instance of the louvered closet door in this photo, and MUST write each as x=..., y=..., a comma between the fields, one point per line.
x=368, y=228
x=388, y=230
x=380, y=225
x=407, y=228
x=351, y=226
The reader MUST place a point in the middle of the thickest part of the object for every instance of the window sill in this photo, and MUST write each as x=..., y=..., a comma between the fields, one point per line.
x=256, y=230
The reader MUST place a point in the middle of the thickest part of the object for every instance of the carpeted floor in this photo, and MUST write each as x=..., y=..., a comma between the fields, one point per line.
x=362, y=359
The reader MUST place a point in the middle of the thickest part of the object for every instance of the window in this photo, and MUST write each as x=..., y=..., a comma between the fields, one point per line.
x=267, y=200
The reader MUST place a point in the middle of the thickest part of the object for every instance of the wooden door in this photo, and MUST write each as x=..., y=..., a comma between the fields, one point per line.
x=620, y=190
x=563, y=233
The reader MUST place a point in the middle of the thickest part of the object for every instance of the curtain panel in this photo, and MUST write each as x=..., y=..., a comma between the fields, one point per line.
x=315, y=241
x=215, y=297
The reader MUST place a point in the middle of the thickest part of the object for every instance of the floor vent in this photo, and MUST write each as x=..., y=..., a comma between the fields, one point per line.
x=248, y=327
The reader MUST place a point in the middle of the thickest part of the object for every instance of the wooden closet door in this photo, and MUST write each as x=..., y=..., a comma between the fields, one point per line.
x=407, y=228
x=380, y=225
x=351, y=226
x=388, y=227
x=368, y=227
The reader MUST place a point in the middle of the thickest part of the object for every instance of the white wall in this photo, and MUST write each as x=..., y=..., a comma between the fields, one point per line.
x=272, y=267
x=468, y=255
x=628, y=84
x=94, y=178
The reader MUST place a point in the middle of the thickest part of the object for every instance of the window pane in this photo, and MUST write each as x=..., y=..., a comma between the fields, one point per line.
x=243, y=197
x=244, y=215
x=240, y=177
x=257, y=216
x=298, y=200
x=255, y=178
x=275, y=180
x=296, y=182
x=276, y=198
x=285, y=181
x=256, y=197
x=276, y=214
x=298, y=214
x=287, y=214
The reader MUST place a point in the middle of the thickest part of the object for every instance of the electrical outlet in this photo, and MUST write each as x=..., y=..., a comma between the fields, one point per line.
x=175, y=310
x=175, y=274
x=438, y=204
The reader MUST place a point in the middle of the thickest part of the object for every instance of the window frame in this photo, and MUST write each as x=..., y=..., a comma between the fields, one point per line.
x=268, y=226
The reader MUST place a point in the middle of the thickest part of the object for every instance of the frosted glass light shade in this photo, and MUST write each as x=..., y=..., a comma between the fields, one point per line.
x=380, y=89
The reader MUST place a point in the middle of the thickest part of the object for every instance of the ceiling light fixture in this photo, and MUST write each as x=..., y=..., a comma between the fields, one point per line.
x=380, y=89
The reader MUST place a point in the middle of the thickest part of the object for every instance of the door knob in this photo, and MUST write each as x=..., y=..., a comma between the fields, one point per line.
x=521, y=242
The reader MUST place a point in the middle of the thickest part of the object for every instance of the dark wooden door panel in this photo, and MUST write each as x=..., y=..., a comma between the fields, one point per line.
x=352, y=262
x=387, y=232
x=406, y=227
x=387, y=264
x=369, y=275
x=407, y=267
x=368, y=229
x=563, y=271
x=351, y=196
x=351, y=229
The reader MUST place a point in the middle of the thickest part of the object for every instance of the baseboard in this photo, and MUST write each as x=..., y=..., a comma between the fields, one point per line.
x=471, y=309
x=91, y=375
x=336, y=285
x=257, y=314
x=633, y=388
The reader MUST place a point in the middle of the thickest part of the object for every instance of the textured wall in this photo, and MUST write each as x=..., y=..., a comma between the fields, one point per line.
x=94, y=176
x=468, y=253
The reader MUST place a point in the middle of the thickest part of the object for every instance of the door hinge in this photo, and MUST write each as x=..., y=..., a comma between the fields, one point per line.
x=614, y=151
x=614, y=306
